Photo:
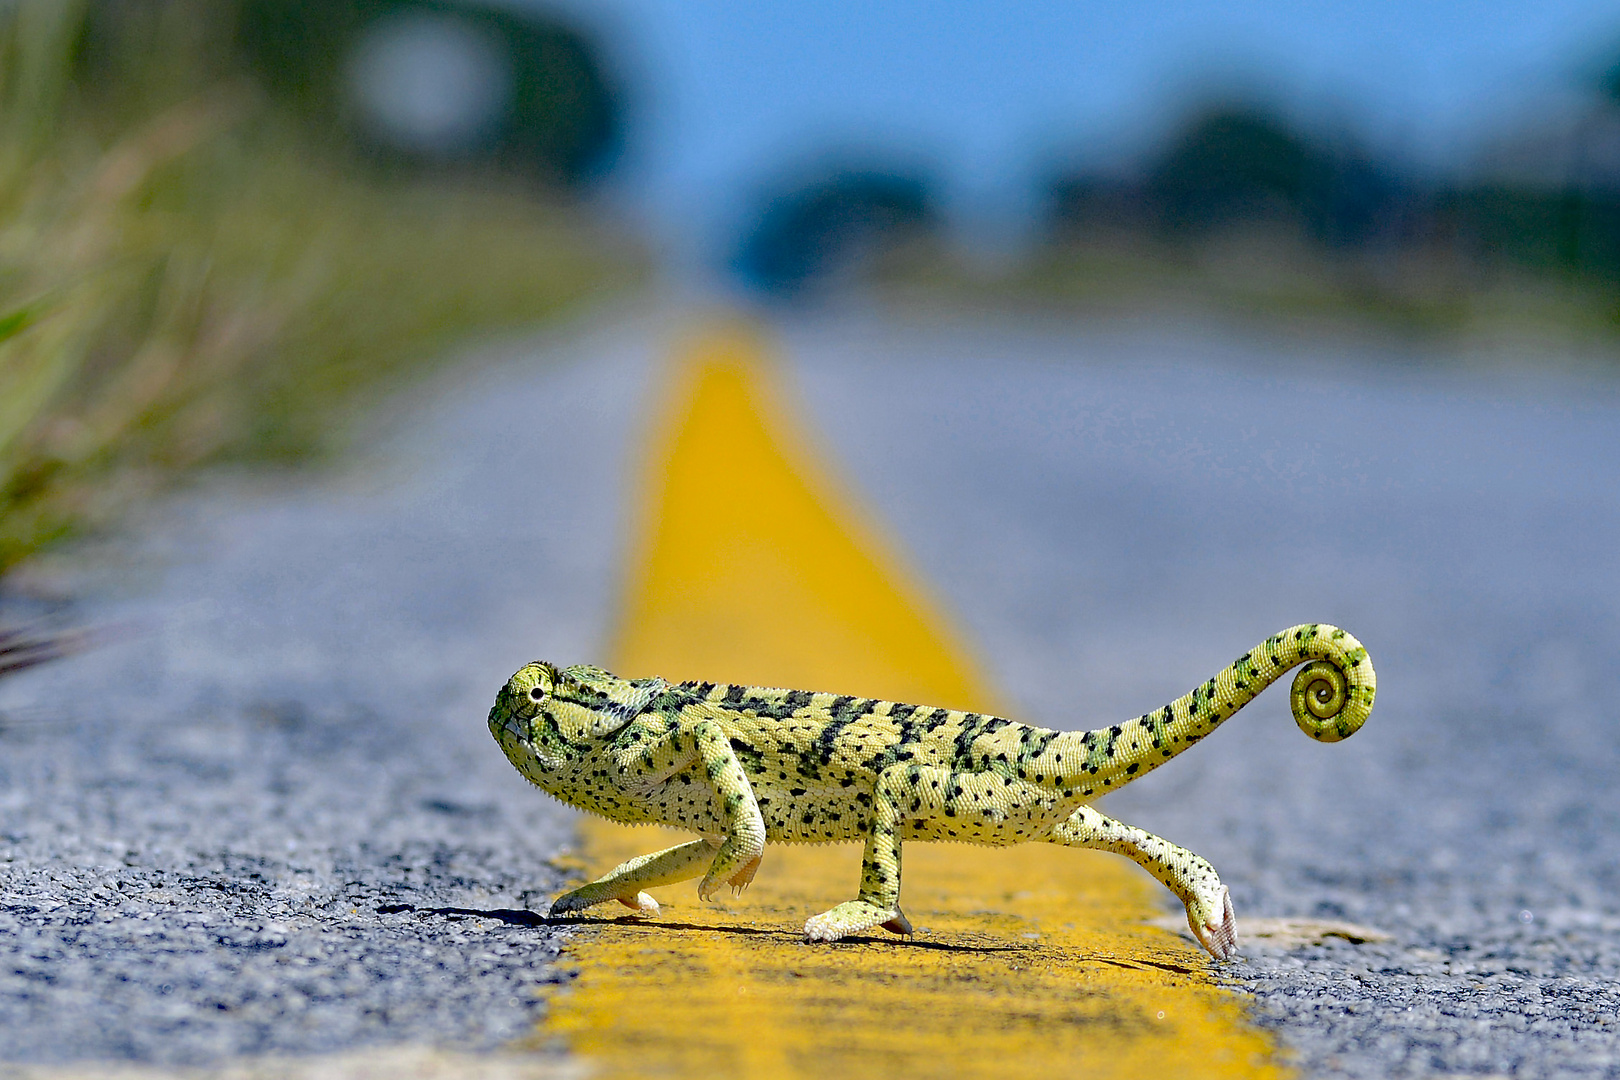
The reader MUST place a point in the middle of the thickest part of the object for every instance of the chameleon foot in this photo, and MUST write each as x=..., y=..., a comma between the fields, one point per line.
x=587, y=896
x=741, y=879
x=738, y=879
x=853, y=917
x=1214, y=924
x=643, y=903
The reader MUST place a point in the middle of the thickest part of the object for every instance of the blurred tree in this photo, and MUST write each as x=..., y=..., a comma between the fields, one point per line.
x=421, y=82
x=1546, y=197
x=1607, y=84
x=1570, y=231
x=1243, y=166
x=1542, y=201
x=1237, y=168
x=823, y=225
x=1233, y=166
x=1363, y=202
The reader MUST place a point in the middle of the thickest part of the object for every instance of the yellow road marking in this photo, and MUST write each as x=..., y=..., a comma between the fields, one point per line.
x=1035, y=960
x=752, y=569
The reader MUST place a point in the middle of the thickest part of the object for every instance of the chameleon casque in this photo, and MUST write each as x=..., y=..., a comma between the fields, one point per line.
x=744, y=766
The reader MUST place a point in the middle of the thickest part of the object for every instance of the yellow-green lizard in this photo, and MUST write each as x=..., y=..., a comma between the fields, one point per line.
x=743, y=766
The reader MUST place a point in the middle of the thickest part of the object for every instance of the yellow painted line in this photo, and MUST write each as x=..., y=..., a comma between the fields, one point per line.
x=752, y=567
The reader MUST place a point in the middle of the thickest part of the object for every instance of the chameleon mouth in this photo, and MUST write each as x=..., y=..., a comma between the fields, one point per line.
x=505, y=724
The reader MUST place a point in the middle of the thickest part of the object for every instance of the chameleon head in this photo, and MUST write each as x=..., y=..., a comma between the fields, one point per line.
x=523, y=726
x=546, y=717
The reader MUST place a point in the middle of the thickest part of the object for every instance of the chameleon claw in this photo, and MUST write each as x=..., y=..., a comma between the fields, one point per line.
x=745, y=875
x=738, y=881
x=1219, y=938
x=708, y=888
x=567, y=904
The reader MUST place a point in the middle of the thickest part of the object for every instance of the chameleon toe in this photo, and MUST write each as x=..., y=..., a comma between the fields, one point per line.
x=1217, y=936
x=742, y=878
x=899, y=925
x=567, y=904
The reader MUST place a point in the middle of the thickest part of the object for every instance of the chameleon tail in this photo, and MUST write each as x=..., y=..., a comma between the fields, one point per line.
x=1331, y=697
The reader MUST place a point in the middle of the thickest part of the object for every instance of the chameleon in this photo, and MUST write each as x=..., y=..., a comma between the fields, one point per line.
x=744, y=766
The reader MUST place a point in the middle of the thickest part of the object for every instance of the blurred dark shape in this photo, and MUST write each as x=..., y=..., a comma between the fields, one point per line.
x=23, y=647
x=1544, y=202
x=20, y=650
x=1232, y=166
x=1548, y=197
x=1093, y=207
x=413, y=82
x=840, y=222
x=1363, y=202
x=1230, y=169
x=1567, y=231
x=1607, y=84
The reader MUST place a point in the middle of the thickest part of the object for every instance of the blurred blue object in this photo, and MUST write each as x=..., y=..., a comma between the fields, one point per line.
x=835, y=222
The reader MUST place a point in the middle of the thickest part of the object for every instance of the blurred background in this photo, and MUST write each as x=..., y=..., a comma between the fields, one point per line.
x=225, y=218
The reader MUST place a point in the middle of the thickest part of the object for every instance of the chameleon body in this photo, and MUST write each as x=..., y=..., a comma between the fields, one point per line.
x=744, y=766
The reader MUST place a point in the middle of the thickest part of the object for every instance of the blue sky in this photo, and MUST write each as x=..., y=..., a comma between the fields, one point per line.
x=987, y=95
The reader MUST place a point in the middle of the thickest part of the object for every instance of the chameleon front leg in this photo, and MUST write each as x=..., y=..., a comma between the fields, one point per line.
x=625, y=883
x=901, y=793
x=1189, y=876
x=700, y=740
x=740, y=853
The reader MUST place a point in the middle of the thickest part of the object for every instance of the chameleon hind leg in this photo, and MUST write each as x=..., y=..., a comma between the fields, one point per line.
x=625, y=883
x=921, y=790
x=1189, y=876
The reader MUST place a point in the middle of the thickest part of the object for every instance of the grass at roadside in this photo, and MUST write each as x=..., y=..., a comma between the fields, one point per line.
x=183, y=279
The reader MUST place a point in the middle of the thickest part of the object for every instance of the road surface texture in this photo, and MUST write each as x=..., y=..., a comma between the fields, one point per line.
x=268, y=820
x=1118, y=512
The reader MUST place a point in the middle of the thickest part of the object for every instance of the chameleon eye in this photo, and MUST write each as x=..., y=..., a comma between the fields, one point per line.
x=536, y=693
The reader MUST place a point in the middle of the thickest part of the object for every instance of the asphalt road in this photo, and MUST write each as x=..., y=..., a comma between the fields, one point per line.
x=269, y=819
x=1117, y=512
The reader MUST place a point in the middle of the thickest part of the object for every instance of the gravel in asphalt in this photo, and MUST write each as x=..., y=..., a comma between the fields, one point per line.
x=268, y=818
x=1119, y=510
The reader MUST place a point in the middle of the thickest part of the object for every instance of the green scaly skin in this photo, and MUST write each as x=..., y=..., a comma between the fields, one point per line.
x=744, y=766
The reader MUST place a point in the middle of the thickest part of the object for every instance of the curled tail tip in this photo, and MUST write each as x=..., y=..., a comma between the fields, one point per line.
x=1332, y=696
